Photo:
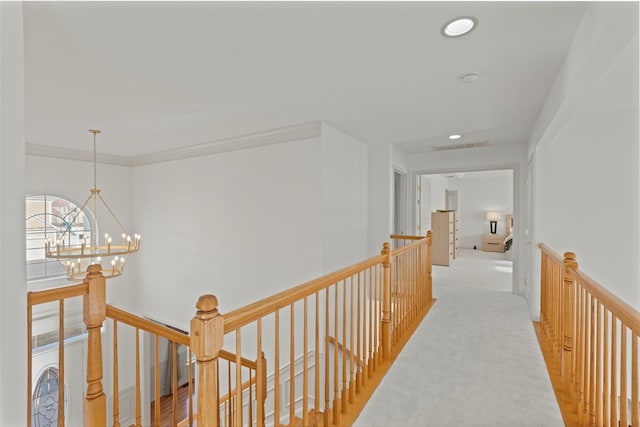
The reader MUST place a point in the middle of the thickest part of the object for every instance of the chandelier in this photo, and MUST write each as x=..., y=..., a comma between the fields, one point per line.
x=75, y=253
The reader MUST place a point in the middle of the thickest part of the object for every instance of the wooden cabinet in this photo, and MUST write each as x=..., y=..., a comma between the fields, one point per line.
x=493, y=242
x=443, y=229
x=456, y=234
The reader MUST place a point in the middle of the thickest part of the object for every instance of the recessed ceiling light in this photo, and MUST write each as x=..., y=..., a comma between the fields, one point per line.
x=459, y=26
x=455, y=136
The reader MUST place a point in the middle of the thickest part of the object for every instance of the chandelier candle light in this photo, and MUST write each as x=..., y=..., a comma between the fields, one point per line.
x=75, y=257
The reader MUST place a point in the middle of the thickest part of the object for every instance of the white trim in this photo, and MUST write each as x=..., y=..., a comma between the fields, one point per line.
x=71, y=154
x=295, y=132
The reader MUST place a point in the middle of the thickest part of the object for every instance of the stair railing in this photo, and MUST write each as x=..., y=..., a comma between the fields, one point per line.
x=329, y=342
x=592, y=337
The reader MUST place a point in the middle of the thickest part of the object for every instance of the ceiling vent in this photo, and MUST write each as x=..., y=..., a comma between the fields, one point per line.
x=461, y=146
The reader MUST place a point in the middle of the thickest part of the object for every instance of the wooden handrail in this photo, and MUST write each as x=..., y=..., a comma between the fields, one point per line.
x=57, y=294
x=251, y=312
x=623, y=311
x=405, y=237
x=406, y=248
x=553, y=254
x=146, y=325
x=584, y=334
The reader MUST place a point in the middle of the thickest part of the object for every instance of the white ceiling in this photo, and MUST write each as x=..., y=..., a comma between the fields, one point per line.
x=168, y=75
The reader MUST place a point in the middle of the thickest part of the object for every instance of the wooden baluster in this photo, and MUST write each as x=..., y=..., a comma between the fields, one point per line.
x=29, y=358
x=305, y=365
x=343, y=397
x=116, y=387
x=607, y=375
x=635, y=416
x=352, y=349
x=623, y=376
x=614, y=369
x=327, y=388
x=581, y=354
x=260, y=377
x=570, y=266
x=190, y=386
x=372, y=284
x=250, y=401
x=386, y=303
x=376, y=323
x=599, y=365
x=156, y=406
x=336, y=391
x=276, y=366
x=174, y=381
x=229, y=398
x=94, y=313
x=239, y=378
x=138, y=397
x=60, y=364
x=316, y=366
x=292, y=366
x=359, y=358
x=592, y=362
x=206, y=339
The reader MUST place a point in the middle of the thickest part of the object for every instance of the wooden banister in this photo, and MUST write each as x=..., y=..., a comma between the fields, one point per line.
x=56, y=294
x=249, y=313
x=371, y=307
x=146, y=325
x=585, y=333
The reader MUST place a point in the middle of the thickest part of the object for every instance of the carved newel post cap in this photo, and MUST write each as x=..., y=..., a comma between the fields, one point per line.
x=207, y=303
x=386, y=246
x=570, y=260
x=429, y=233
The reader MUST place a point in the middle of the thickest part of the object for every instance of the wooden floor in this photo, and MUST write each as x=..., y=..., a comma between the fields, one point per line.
x=166, y=407
x=566, y=408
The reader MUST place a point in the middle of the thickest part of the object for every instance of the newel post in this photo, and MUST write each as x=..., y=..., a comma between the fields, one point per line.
x=94, y=314
x=569, y=323
x=207, y=339
x=386, y=302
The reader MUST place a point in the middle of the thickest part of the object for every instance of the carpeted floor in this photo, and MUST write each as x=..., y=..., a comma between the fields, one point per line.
x=474, y=360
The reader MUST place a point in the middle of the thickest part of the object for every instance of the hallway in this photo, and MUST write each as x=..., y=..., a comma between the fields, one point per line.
x=474, y=360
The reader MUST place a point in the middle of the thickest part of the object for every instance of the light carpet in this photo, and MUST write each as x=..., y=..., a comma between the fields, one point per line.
x=474, y=360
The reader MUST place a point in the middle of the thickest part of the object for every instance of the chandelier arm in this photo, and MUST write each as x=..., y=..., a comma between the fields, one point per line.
x=68, y=227
x=112, y=214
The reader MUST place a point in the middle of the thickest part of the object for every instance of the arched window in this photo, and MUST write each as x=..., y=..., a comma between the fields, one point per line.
x=53, y=218
x=45, y=399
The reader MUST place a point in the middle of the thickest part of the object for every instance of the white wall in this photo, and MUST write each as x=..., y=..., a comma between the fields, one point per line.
x=344, y=199
x=380, y=200
x=480, y=192
x=241, y=225
x=13, y=354
x=438, y=189
x=586, y=155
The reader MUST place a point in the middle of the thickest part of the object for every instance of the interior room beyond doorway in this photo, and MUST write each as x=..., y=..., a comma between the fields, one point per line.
x=478, y=197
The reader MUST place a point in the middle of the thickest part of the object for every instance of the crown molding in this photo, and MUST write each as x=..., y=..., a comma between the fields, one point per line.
x=274, y=136
x=71, y=154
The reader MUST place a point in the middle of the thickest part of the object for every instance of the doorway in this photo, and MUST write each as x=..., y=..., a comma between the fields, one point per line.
x=399, y=202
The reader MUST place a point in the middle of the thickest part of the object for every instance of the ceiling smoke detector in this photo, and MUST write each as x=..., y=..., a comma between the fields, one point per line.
x=469, y=77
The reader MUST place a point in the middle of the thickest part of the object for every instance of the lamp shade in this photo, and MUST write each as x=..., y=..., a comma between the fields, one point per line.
x=493, y=216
